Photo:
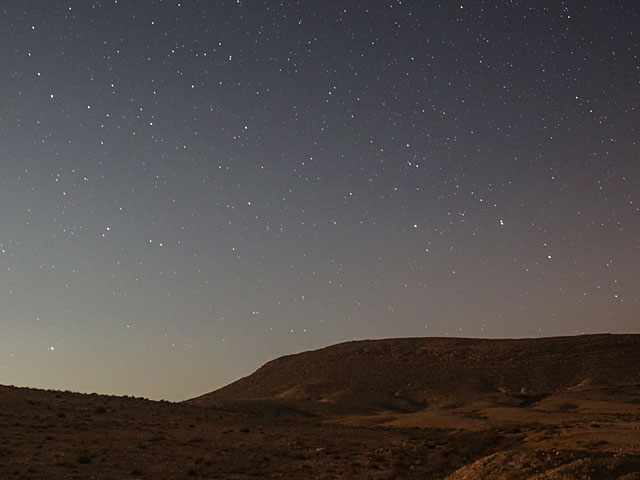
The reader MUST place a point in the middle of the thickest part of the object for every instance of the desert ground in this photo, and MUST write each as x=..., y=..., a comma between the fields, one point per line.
x=423, y=408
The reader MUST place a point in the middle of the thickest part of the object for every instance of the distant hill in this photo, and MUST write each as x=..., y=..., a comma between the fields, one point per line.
x=415, y=408
x=413, y=373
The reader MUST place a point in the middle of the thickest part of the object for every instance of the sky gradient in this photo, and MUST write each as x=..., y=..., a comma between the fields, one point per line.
x=192, y=188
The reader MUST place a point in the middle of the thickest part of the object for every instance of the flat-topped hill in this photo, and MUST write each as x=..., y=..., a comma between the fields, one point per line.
x=417, y=408
x=413, y=373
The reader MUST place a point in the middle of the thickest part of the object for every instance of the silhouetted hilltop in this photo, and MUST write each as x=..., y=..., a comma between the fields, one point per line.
x=416, y=409
x=412, y=373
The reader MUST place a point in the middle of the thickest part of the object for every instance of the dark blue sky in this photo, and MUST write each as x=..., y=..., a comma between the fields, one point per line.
x=192, y=188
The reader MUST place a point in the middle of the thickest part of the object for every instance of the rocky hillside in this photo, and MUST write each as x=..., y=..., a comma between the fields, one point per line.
x=413, y=373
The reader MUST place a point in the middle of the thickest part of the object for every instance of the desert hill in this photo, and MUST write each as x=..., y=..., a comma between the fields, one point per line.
x=410, y=374
x=421, y=408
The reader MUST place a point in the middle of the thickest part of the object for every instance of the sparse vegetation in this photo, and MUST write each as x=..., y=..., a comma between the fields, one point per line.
x=135, y=438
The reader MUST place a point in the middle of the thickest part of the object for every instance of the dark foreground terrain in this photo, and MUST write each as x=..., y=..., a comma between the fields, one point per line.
x=558, y=408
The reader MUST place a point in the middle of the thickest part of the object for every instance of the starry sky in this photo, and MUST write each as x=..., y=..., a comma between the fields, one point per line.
x=189, y=189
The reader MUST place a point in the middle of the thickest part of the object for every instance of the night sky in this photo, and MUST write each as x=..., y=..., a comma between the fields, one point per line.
x=192, y=188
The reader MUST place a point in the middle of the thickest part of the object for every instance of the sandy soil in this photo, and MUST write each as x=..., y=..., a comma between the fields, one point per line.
x=48, y=435
x=586, y=427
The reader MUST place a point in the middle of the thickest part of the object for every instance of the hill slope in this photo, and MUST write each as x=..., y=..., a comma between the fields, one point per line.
x=413, y=373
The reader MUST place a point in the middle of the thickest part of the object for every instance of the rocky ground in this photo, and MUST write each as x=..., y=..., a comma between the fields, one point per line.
x=590, y=429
